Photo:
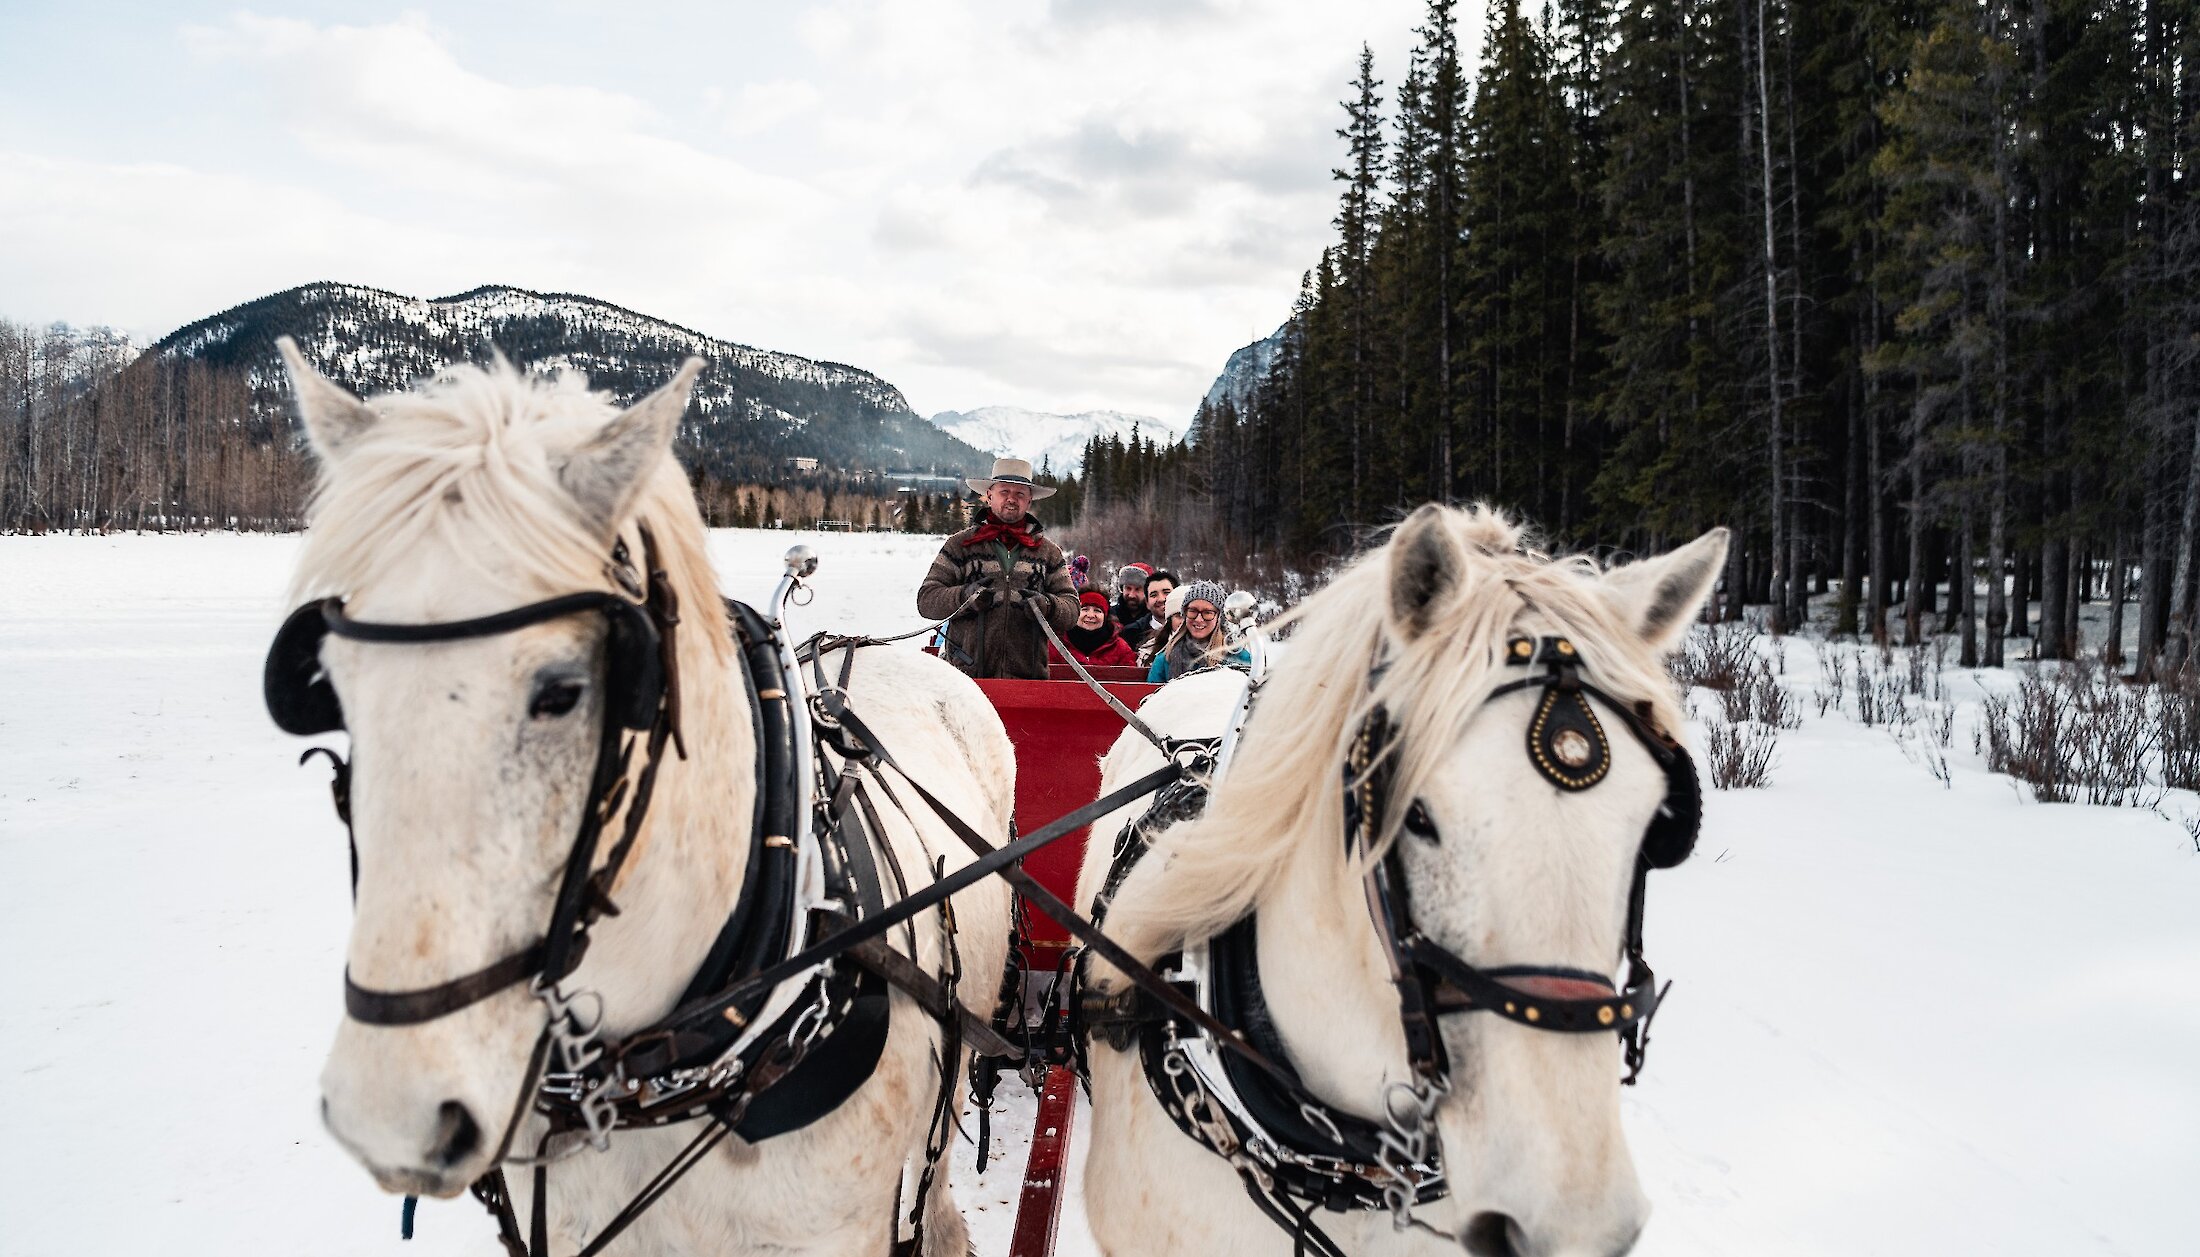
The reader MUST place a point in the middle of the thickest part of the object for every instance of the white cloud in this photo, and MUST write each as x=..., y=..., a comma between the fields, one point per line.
x=762, y=106
x=160, y=241
x=984, y=201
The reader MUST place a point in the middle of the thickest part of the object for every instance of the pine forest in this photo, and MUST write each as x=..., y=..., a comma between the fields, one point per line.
x=1896, y=290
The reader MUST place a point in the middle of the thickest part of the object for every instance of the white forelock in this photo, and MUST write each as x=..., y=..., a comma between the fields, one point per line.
x=469, y=462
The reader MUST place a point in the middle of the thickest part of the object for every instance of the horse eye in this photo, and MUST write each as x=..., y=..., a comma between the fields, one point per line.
x=1420, y=824
x=554, y=698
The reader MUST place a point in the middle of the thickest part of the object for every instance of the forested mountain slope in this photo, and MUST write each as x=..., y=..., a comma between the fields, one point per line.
x=753, y=409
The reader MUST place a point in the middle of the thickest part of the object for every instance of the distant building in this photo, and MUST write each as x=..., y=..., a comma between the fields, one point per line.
x=923, y=482
x=801, y=464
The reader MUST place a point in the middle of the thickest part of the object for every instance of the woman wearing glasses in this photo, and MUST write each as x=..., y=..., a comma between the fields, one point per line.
x=1201, y=643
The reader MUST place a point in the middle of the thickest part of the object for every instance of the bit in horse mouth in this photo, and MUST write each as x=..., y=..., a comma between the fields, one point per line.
x=417, y=1183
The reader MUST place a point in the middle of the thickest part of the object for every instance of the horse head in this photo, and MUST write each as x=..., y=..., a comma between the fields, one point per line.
x=1519, y=847
x=1491, y=730
x=473, y=755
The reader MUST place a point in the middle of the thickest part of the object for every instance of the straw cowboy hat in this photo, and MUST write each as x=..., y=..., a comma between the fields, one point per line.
x=1010, y=471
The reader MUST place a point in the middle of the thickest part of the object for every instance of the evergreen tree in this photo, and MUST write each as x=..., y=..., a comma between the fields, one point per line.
x=1356, y=227
x=1670, y=395
x=1518, y=269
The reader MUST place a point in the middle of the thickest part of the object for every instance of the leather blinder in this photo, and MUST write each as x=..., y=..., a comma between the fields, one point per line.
x=298, y=695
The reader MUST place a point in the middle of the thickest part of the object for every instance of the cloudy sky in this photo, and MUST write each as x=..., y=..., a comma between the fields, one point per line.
x=1082, y=203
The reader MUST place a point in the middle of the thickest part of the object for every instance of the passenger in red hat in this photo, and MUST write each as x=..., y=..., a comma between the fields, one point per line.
x=1094, y=639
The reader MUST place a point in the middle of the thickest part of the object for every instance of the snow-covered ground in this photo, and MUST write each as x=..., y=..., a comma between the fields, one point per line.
x=1908, y=1018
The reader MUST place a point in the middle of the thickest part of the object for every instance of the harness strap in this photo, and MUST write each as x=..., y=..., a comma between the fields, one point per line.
x=1067, y=917
x=961, y=879
x=332, y=612
x=942, y=1125
x=1481, y=990
x=928, y=992
x=713, y=1132
x=410, y=1008
x=1114, y=704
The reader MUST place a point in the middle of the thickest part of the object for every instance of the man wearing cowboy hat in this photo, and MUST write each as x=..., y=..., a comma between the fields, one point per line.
x=992, y=576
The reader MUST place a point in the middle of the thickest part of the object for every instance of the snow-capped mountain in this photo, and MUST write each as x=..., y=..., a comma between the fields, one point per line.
x=752, y=408
x=1245, y=369
x=1054, y=442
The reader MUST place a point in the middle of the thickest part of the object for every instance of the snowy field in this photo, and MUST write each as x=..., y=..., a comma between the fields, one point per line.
x=1908, y=1018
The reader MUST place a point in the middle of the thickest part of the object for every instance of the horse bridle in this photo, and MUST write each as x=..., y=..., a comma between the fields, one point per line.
x=640, y=694
x=1569, y=747
x=1393, y=1161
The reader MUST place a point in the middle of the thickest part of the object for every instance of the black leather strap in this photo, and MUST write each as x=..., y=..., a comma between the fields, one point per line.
x=954, y=883
x=332, y=611
x=1483, y=990
x=410, y=1008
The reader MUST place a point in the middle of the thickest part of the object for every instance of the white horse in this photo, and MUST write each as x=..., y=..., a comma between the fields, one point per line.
x=1505, y=868
x=484, y=491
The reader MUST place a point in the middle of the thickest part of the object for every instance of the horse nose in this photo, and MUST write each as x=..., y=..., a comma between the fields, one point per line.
x=456, y=1136
x=1493, y=1234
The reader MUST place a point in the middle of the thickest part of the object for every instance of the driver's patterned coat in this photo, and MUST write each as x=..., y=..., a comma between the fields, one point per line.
x=993, y=637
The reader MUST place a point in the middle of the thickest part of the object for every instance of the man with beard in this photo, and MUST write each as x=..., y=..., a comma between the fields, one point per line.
x=1129, y=611
x=992, y=576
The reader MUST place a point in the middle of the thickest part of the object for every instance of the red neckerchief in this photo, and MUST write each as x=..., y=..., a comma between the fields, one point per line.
x=994, y=530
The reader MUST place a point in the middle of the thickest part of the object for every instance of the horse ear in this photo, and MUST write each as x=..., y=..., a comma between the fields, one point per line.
x=1660, y=596
x=1424, y=567
x=333, y=417
x=605, y=474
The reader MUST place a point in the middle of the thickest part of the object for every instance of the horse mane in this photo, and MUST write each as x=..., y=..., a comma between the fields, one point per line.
x=469, y=461
x=1283, y=797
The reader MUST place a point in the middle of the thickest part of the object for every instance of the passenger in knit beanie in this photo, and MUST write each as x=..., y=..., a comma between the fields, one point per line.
x=1191, y=649
x=1130, y=611
x=1205, y=591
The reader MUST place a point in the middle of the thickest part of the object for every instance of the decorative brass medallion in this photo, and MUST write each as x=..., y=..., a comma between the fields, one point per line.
x=1572, y=748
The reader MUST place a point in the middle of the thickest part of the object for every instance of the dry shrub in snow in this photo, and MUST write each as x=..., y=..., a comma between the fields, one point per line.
x=1715, y=657
x=1739, y=754
x=2075, y=734
x=1881, y=688
x=2179, y=719
x=1758, y=695
x=2023, y=735
x=1723, y=658
x=1770, y=702
x=1833, y=679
